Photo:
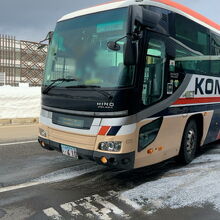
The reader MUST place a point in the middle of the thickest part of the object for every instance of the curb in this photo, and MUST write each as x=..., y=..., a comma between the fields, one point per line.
x=19, y=121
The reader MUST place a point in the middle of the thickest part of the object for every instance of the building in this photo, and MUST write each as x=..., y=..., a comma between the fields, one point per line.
x=21, y=61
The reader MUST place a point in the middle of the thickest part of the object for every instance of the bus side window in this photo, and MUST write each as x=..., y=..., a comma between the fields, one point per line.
x=215, y=68
x=154, y=72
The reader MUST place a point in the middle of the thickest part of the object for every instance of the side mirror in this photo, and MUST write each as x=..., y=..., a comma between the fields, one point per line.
x=112, y=45
x=130, y=53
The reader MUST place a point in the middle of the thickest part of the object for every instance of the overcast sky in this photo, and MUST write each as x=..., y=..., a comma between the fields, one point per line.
x=32, y=19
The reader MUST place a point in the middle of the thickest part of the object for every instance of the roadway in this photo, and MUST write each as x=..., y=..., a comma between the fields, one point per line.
x=37, y=184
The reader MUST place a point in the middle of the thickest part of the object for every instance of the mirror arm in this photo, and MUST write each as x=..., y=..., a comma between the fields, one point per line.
x=48, y=37
x=121, y=39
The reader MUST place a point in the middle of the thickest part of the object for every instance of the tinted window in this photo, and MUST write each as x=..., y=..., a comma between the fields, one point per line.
x=215, y=67
x=206, y=45
x=192, y=34
x=215, y=44
x=154, y=72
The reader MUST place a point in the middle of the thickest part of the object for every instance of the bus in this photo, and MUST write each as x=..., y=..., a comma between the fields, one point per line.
x=132, y=83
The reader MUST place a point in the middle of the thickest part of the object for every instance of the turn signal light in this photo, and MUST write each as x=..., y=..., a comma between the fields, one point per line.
x=160, y=148
x=150, y=151
x=104, y=160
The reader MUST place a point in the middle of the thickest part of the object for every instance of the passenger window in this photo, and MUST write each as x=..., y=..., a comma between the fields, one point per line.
x=154, y=72
x=215, y=68
x=192, y=34
x=215, y=44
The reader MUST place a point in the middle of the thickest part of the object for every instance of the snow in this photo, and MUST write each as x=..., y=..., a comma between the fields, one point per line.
x=19, y=102
x=193, y=186
x=68, y=173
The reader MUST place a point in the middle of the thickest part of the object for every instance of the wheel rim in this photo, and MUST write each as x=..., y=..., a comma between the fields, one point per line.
x=191, y=142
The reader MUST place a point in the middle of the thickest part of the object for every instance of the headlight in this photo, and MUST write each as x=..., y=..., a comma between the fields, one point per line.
x=113, y=146
x=42, y=132
x=148, y=134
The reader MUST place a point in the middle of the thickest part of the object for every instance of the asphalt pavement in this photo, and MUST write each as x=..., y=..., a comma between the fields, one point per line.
x=38, y=184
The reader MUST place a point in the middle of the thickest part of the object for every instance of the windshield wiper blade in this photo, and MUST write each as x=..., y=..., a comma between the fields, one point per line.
x=83, y=86
x=95, y=88
x=49, y=87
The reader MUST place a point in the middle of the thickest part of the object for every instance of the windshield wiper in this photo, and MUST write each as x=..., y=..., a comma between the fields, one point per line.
x=95, y=88
x=83, y=86
x=51, y=86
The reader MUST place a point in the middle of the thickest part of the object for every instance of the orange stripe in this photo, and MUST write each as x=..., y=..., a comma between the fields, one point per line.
x=196, y=100
x=104, y=130
x=189, y=12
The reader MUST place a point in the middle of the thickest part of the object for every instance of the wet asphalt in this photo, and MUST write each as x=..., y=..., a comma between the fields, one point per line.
x=38, y=184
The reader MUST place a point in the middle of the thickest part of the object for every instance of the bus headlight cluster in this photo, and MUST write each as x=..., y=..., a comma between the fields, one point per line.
x=113, y=146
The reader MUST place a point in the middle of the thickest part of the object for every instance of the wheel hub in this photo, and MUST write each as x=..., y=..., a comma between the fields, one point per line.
x=190, y=141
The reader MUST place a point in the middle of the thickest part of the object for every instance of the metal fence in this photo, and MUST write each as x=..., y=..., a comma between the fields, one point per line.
x=2, y=79
x=21, y=61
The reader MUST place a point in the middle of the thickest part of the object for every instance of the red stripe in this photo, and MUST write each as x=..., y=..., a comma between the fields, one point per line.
x=190, y=12
x=218, y=137
x=104, y=129
x=196, y=100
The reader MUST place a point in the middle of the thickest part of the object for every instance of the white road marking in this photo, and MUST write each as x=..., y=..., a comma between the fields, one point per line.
x=130, y=203
x=70, y=207
x=95, y=211
x=110, y=206
x=18, y=143
x=20, y=186
x=91, y=210
x=126, y=200
x=52, y=213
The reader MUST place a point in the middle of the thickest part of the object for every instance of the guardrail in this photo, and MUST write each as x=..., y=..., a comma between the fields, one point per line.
x=18, y=121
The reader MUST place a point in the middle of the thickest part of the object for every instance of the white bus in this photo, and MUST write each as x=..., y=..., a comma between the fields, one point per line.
x=132, y=83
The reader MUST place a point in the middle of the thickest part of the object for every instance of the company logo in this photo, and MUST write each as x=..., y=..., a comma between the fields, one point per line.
x=105, y=105
x=205, y=86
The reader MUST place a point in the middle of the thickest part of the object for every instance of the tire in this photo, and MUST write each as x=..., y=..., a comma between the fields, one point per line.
x=189, y=143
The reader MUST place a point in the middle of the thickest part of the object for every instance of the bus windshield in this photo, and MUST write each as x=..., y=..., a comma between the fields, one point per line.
x=79, y=51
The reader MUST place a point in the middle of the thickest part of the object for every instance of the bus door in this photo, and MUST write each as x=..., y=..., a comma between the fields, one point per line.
x=152, y=92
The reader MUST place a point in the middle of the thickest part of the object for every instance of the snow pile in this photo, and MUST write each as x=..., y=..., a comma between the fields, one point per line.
x=19, y=102
x=196, y=185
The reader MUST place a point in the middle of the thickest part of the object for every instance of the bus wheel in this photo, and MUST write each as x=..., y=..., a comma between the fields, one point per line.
x=189, y=143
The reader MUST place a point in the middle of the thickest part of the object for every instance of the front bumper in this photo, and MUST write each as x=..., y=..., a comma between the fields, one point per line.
x=120, y=161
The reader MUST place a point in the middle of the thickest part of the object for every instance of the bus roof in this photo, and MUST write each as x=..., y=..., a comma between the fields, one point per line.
x=166, y=4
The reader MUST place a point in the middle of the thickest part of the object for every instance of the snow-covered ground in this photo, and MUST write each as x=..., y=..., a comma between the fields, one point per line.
x=196, y=185
x=19, y=102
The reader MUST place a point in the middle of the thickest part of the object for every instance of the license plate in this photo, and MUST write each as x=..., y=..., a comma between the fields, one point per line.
x=69, y=151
